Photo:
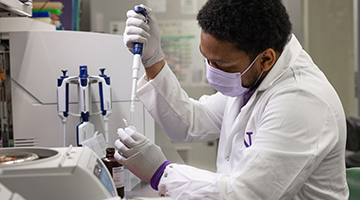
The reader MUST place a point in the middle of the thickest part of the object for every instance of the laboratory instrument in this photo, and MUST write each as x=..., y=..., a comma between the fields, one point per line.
x=57, y=173
x=138, y=50
x=85, y=129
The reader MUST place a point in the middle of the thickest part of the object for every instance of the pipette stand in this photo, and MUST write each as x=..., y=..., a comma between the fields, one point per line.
x=85, y=129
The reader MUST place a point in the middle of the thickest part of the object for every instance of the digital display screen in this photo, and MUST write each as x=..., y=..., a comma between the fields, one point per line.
x=104, y=177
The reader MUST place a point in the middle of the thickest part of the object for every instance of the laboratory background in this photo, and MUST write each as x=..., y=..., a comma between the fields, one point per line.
x=50, y=48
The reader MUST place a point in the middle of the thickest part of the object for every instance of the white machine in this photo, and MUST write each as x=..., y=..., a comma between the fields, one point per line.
x=56, y=173
x=36, y=59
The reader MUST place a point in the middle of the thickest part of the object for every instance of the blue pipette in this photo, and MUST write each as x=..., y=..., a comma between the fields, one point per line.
x=138, y=50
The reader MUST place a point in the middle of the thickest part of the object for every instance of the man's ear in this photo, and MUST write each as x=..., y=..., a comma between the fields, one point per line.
x=268, y=59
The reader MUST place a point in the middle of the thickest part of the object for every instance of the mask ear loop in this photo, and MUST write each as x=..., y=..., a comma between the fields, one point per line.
x=258, y=78
x=252, y=87
x=250, y=64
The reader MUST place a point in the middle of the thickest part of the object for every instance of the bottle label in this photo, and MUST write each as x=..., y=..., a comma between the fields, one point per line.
x=118, y=176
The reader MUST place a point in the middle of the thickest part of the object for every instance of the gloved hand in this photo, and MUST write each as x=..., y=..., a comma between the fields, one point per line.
x=138, y=31
x=143, y=157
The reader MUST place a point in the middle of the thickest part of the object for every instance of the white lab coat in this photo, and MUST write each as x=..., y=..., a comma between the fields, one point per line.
x=287, y=142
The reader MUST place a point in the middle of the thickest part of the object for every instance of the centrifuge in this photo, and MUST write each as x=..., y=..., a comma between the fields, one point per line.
x=56, y=173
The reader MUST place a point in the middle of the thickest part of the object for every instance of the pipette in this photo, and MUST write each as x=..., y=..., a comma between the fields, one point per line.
x=138, y=50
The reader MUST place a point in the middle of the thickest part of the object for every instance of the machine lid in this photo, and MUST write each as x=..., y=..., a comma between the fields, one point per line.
x=9, y=158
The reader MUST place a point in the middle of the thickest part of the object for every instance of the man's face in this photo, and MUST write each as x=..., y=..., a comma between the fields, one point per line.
x=224, y=56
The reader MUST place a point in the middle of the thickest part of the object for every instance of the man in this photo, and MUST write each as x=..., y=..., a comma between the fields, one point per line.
x=281, y=124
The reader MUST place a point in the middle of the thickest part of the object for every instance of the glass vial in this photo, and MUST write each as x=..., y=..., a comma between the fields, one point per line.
x=116, y=170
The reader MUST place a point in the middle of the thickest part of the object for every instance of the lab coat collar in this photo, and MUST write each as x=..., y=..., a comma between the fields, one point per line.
x=286, y=59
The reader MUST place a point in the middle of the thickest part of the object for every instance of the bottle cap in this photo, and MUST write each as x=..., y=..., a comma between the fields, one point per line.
x=110, y=151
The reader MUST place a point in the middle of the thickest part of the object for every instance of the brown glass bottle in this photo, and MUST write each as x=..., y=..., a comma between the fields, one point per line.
x=116, y=170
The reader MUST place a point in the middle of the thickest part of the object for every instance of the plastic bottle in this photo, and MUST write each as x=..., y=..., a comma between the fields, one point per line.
x=116, y=170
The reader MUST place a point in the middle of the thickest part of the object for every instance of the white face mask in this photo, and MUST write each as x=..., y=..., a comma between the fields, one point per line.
x=228, y=84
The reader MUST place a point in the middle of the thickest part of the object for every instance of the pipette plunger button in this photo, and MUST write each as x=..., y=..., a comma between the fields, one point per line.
x=102, y=70
x=64, y=73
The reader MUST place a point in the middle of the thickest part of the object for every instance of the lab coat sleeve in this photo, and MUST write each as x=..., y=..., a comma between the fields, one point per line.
x=183, y=119
x=296, y=131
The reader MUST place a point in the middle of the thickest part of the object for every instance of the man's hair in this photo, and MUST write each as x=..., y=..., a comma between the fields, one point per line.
x=252, y=25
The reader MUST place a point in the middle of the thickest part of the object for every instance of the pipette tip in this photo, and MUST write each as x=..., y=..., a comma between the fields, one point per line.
x=125, y=121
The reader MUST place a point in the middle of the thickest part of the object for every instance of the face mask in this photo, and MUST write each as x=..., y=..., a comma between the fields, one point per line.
x=228, y=84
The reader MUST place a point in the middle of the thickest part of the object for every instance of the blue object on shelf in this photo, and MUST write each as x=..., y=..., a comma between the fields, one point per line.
x=41, y=14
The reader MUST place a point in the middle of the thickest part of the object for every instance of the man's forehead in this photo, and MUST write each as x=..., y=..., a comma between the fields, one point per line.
x=219, y=51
